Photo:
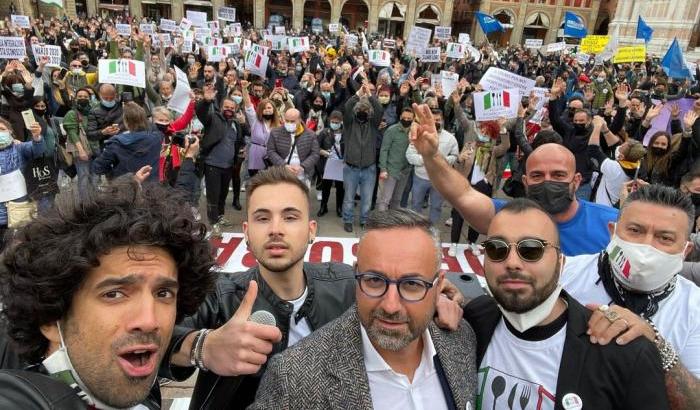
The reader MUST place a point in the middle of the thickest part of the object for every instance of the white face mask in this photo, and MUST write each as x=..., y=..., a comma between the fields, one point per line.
x=641, y=267
x=527, y=320
x=290, y=127
x=483, y=138
x=5, y=139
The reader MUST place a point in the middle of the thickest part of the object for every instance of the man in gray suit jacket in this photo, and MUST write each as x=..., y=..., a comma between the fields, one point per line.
x=384, y=352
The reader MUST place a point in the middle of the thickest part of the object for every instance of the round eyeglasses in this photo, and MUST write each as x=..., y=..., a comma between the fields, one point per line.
x=410, y=289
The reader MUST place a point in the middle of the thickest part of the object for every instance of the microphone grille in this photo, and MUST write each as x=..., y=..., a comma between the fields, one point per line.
x=263, y=317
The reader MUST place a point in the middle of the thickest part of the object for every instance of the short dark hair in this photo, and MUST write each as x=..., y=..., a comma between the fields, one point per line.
x=522, y=205
x=665, y=196
x=49, y=258
x=407, y=109
x=274, y=176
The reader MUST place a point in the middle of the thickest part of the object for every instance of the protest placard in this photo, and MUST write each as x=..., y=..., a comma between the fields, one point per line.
x=181, y=94
x=256, y=63
x=197, y=18
x=582, y=58
x=380, y=58
x=474, y=53
x=431, y=55
x=156, y=40
x=125, y=72
x=533, y=42
x=212, y=41
x=554, y=47
x=443, y=32
x=418, y=39
x=464, y=38
x=277, y=42
x=594, y=44
x=53, y=53
x=333, y=27
x=168, y=25
x=123, y=29
x=235, y=29
x=214, y=27
x=492, y=105
x=147, y=28
x=298, y=44
x=257, y=48
x=456, y=50
x=227, y=13
x=185, y=24
x=435, y=80
x=351, y=40
x=389, y=43
x=498, y=79
x=187, y=41
x=21, y=21
x=449, y=81
x=201, y=33
x=280, y=30
x=12, y=48
x=630, y=54
x=216, y=53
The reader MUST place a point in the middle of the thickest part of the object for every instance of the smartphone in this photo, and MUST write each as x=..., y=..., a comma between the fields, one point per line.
x=28, y=117
x=278, y=83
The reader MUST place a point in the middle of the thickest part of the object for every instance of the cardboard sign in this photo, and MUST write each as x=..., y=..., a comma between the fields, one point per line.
x=351, y=40
x=235, y=29
x=449, y=82
x=389, y=43
x=456, y=50
x=217, y=53
x=492, y=105
x=443, y=32
x=418, y=39
x=227, y=13
x=431, y=55
x=630, y=54
x=53, y=53
x=125, y=72
x=185, y=24
x=380, y=58
x=168, y=25
x=12, y=48
x=147, y=28
x=280, y=30
x=334, y=27
x=181, y=94
x=533, y=43
x=594, y=44
x=21, y=21
x=214, y=27
x=123, y=29
x=298, y=44
x=256, y=63
x=554, y=47
x=499, y=79
x=197, y=18
x=464, y=38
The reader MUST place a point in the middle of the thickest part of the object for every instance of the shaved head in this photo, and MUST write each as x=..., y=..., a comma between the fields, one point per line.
x=292, y=115
x=551, y=153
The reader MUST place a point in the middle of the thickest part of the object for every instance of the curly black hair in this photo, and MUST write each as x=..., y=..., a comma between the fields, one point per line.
x=49, y=258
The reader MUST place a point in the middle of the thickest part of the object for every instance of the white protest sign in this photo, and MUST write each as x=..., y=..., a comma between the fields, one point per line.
x=380, y=58
x=691, y=66
x=201, y=33
x=233, y=48
x=185, y=24
x=212, y=41
x=53, y=53
x=227, y=13
x=418, y=39
x=298, y=44
x=12, y=48
x=256, y=63
x=21, y=21
x=197, y=18
x=456, y=50
x=443, y=32
x=125, y=72
x=351, y=40
x=491, y=105
x=147, y=28
x=247, y=44
x=464, y=38
x=257, y=48
x=334, y=27
x=235, y=29
x=156, y=40
x=499, y=79
x=181, y=94
x=277, y=42
x=389, y=43
x=553, y=47
x=168, y=25
x=533, y=43
x=214, y=27
x=449, y=81
x=187, y=41
x=435, y=80
x=280, y=30
x=123, y=29
x=216, y=53
x=431, y=55
x=582, y=58
x=12, y=186
x=474, y=53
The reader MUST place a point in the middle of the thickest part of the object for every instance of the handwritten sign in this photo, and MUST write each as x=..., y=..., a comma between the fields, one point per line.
x=227, y=13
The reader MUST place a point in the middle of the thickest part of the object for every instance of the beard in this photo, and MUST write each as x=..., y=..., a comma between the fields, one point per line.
x=279, y=264
x=395, y=339
x=520, y=300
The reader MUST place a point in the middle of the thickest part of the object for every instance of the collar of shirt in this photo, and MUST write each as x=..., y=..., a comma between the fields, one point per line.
x=374, y=362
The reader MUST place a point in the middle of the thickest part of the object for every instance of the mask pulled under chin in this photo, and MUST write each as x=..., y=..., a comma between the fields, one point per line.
x=522, y=322
x=60, y=367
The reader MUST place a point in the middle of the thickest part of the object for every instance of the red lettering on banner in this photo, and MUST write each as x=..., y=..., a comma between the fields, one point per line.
x=227, y=248
x=354, y=250
x=249, y=259
x=452, y=263
x=474, y=262
x=316, y=252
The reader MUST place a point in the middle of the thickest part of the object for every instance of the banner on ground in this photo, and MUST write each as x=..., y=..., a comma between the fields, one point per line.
x=431, y=55
x=124, y=72
x=197, y=18
x=168, y=25
x=497, y=79
x=53, y=53
x=298, y=44
x=181, y=94
x=227, y=13
x=492, y=105
x=123, y=29
x=380, y=58
x=256, y=63
x=21, y=21
x=12, y=48
x=533, y=42
x=443, y=32
x=630, y=54
x=594, y=44
x=456, y=50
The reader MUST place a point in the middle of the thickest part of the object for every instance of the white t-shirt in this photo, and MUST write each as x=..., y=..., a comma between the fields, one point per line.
x=295, y=160
x=613, y=177
x=391, y=390
x=522, y=369
x=678, y=316
x=298, y=331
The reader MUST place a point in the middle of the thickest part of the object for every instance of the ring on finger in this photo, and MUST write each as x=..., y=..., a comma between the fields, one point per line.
x=611, y=315
x=603, y=308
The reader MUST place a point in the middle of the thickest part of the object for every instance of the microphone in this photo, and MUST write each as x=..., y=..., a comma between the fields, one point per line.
x=263, y=317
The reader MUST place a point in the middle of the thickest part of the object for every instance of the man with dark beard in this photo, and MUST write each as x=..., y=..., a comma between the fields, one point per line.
x=229, y=350
x=531, y=335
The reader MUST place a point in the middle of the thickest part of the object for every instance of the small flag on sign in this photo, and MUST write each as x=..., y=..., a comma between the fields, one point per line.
x=127, y=67
x=497, y=99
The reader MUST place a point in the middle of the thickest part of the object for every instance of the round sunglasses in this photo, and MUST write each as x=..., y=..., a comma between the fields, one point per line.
x=528, y=249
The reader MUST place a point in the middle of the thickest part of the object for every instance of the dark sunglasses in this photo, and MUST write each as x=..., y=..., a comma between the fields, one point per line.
x=529, y=249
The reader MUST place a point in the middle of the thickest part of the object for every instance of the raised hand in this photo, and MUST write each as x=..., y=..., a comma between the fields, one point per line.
x=675, y=110
x=424, y=135
x=209, y=92
x=654, y=112
x=689, y=119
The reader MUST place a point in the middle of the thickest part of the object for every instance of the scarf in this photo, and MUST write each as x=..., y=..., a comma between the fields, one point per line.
x=644, y=304
x=483, y=155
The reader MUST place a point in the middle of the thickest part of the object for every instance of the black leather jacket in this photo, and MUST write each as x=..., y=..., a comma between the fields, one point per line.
x=331, y=291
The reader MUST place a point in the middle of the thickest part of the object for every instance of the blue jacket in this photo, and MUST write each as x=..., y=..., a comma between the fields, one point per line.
x=128, y=152
x=14, y=157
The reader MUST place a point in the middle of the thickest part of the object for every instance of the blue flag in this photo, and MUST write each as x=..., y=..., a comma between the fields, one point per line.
x=643, y=30
x=573, y=26
x=673, y=62
x=488, y=23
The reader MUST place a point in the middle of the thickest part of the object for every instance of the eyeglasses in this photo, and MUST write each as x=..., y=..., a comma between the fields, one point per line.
x=410, y=289
x=529, y=249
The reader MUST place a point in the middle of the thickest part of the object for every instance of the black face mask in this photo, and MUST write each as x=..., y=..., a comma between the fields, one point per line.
x=658, y=152
x=162, y=127
x=362, y=116
x=554, y=196
x=406, y=123
x=695, y=198
x=580, y=129
x=318, y=107
x=82, y=104
x=268, y=117
x=40, y=113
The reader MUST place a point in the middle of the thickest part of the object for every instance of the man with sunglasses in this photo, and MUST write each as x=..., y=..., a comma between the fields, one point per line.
x=384, y=352
x=532, y=345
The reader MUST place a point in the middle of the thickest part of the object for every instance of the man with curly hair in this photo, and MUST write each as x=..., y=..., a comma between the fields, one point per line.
x=91, y=293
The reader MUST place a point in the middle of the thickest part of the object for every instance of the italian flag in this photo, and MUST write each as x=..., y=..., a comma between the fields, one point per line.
x=57, y=3
x=497, y=99
x=618, y=258
x=127, y=67
x=215, y=51
x=298, y=42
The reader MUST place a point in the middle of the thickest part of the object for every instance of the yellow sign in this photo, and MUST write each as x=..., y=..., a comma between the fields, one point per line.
x=594, y=44
x=630, y=54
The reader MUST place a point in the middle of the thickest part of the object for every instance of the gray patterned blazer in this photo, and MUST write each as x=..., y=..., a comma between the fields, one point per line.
x=326, y=369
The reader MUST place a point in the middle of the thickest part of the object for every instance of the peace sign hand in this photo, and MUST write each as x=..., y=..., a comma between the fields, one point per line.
x=424, y=135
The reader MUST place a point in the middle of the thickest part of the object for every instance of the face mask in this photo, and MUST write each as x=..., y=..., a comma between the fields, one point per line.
x=18, y=89
x=109, y=104
x=554, y=196
x=190, y=61
x=695, y=198
x=335, y=126
x=482, y=138
x=291, y=127
x=228, y=114
x=162, y=127
x=600, y=79
x=362, y=116
x=384, y=100
x=40, y=113
x=658, y=152
x=406, y=123
x=580, y=129
x=268, y=117
x=438, y=126
x=77, y=71
x=237, y=99
x=5, y=139
x=641, y=267
x=527, y=320
x=326, y=95
x=82, y=103
x=318, y=107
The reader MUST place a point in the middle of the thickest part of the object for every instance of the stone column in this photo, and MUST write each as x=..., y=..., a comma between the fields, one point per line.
x=135, y=9
x=593, y=16
x=91, y=7
x=336, y=10
x=447, y=13
x=373, y=16
x=259, y=13
x=298, y=14
x=215, y=8
x=409, y=19
x=177, y=10
x=554, y=26
x=516, y=35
